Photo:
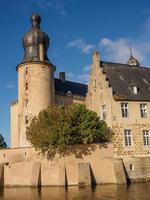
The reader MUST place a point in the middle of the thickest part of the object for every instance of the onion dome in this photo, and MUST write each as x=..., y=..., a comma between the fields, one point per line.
x=35, y=42
x=132, y=60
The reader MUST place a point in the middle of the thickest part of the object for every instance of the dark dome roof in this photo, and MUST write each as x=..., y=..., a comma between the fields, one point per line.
x=33, y=38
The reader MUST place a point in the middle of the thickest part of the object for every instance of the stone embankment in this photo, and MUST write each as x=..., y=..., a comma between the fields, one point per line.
x=25, y=167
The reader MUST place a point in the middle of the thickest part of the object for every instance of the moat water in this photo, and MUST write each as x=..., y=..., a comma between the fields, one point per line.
x=102, y=192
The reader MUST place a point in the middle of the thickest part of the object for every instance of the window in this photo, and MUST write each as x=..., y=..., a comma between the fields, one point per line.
x=26, y=86
x=69, y=93
x=131, y=167
x=60, y=102
x=26, y=71
x=128, y=138
x=135, y=89
x=146, y=137
x=143, y=109
x=124, y=109
x=103, y=113
x=26, y=120
x=26, y=102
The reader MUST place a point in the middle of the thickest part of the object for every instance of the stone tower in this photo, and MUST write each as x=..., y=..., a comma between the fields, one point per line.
x=35, y=79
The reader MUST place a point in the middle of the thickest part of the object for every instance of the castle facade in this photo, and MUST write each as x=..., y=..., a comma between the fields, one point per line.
x=119, y=93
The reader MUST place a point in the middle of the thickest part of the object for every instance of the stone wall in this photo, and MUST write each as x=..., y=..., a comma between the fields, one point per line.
x=14, y=124
x=69, y=100
x=137, y=169
x=138, y=148
x=24, y=167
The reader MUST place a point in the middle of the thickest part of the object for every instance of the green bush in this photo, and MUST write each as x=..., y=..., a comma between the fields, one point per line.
x=3, y=144
x=58, y=128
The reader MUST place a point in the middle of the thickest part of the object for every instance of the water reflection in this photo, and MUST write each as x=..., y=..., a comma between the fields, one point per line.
x=101, y=192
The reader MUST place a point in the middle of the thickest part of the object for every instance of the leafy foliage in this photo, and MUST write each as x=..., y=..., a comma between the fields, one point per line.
x=3, y=144
x=58, y=128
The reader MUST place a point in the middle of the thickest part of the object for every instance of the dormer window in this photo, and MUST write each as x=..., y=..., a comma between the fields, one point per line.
x=69, y=93
x=135, y=89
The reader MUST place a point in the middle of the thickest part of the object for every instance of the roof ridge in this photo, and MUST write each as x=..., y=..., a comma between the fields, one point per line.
x=124, y=64
x=72, y=82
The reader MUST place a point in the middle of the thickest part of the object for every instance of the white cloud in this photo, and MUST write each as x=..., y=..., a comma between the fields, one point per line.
x=81, y=45
x=118, y=50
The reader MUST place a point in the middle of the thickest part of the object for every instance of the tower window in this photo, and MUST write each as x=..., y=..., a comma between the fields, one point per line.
x=26, y=120
x=26, y=71
x=26, y=102
x=26, y=86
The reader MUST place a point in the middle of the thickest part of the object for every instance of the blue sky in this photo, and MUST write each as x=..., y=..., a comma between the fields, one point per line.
x=76, y=28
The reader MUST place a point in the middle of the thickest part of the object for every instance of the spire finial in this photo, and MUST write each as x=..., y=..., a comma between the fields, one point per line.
x=132, y=60
x=35, y=20
x=130, y=48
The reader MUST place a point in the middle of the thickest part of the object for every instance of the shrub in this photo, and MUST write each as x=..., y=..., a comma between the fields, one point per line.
x=3, y=144
x=59, y=128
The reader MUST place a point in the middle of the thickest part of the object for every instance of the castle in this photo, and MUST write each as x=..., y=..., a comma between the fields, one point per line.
x=119, y=93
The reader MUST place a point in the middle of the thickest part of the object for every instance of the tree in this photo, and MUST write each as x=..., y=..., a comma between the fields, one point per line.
x=3, y=144
x=58, y=128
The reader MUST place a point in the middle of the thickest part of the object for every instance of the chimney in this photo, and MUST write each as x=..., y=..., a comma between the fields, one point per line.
x=62, y=76
x=96, y=57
